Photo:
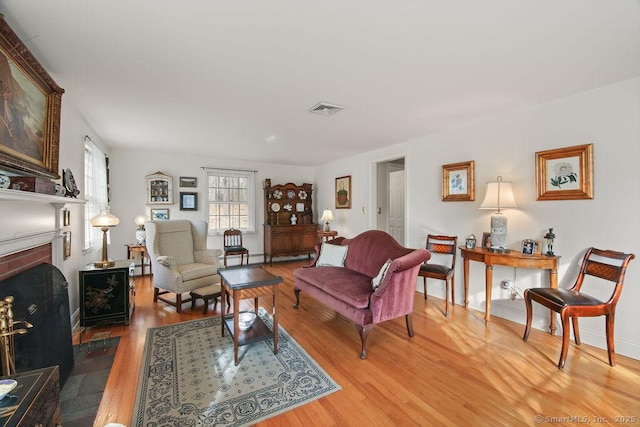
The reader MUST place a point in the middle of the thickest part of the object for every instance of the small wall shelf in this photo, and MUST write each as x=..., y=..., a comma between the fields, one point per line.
x=159, y=189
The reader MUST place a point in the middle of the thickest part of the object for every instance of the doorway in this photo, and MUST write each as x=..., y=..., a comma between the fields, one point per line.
x=390, y=196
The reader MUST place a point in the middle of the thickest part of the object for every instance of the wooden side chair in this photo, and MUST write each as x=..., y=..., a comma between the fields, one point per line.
x=610, y=266
x=445, y=245
x=233, y=245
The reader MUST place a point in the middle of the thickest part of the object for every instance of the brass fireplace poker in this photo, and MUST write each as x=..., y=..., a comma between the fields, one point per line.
x=7, y=332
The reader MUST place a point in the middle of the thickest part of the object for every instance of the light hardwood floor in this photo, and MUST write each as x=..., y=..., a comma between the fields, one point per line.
x=456, y=371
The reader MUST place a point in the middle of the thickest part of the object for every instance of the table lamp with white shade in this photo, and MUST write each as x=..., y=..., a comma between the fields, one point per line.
x=499, y=196
x=104, y=221
x=327, y=216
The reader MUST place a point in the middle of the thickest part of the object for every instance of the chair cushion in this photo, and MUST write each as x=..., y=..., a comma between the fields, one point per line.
x=565, y=297
x=234, y=249
x=196, y=271
x=434, y=268
x=342, y=284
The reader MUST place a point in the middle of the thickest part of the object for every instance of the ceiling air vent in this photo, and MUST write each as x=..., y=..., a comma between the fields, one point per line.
x=325, y=109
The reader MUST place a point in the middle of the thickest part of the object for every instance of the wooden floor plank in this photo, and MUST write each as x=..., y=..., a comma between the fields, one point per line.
x=455, y=371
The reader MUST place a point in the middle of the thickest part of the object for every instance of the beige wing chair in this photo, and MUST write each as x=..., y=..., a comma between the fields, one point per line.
x=181, y=260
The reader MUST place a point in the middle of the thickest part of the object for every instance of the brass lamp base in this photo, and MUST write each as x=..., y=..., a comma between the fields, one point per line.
x=104, y=263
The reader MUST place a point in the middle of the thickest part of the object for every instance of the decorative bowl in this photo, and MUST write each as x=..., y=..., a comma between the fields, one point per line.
x=246, y=319
x=6, y=386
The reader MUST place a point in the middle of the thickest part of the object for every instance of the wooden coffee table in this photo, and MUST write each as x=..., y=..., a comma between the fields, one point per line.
x=244, y=282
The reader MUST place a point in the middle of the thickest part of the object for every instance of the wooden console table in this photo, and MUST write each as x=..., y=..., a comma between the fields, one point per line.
x=509, y=259
x=244, y=282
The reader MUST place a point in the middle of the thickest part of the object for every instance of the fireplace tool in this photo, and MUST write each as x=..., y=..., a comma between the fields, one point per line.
x=7, y=332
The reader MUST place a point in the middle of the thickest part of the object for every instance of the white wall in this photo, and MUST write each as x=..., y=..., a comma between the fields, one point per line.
x=128, y=191
x=506, y=146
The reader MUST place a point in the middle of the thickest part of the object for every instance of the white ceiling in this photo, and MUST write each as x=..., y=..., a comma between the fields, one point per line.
x=235, y=78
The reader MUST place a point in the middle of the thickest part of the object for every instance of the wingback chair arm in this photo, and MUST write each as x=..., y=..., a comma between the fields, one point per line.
x=208, y=256
x=167, y=261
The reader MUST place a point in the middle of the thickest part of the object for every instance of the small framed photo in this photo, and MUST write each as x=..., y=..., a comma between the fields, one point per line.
x=299, y=207
x=565, y=173
x=486, y=240
x=527, y=247
x=458, y=182
x=159, y=214
x=188, y=201
x=188, y=181
x=66, y=244
x=343, y=192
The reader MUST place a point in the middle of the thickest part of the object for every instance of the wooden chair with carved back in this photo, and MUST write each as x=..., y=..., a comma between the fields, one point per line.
x=610, y=267
x=233, y=245
x=443, y=245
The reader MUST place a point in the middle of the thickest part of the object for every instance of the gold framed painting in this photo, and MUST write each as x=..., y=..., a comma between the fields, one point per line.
x=565, y=173
x=343, y=192
x=458, y=183
x=30, y=135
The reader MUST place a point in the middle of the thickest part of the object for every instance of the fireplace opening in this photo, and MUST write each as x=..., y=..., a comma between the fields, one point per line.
x=41, y=298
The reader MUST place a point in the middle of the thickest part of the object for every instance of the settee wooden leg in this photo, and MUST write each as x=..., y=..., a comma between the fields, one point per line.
x=155, y=294
x=297, y=292
x=364, y=333
x=410, y=325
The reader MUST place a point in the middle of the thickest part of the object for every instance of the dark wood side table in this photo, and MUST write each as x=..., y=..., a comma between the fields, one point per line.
x=324, y=236
x=509, y=259
x=244, y=282
x=133, y=249
x=107, y=295
x=35, y=401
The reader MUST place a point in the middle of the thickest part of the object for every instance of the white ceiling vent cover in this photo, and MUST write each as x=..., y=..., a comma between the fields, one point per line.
x=325, y=109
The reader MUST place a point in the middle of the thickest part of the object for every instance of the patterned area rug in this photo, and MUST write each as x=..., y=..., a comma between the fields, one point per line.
x=189, y=378
x=80, y=397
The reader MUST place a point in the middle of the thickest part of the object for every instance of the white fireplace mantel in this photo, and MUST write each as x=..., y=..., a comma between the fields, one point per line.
x=31, y=219
x=26, y=196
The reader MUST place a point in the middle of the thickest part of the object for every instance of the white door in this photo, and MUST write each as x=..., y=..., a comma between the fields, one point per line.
x=396, y=205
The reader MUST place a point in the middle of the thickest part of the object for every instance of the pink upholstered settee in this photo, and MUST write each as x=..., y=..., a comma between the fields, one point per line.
x=349, y=291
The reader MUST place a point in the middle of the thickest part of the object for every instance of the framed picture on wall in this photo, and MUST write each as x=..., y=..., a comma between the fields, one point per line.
x=565, y=173
x=188, y=181
x=188, y=201
x=343, y=192
x=31, y=123
x=66, y=244
x=458, y=182
x=159, y=214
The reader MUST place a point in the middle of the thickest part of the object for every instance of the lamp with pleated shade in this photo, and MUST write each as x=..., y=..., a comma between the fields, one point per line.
x=327, y=216
x=499, y=195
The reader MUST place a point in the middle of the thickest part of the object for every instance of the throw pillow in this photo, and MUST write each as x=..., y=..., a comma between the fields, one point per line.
x=332, y=255
x=375, y=282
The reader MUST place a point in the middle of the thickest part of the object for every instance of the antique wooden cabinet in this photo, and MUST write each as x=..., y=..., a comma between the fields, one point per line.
x=289, y=229
x=107, y=295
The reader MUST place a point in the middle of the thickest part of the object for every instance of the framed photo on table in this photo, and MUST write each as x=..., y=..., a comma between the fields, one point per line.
x=565, y=173
x=458, y=184
x=486, y=240
x=30, y=134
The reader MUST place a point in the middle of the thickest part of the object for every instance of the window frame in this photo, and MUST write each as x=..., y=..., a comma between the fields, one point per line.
x=96, y=191
x=251, y=198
